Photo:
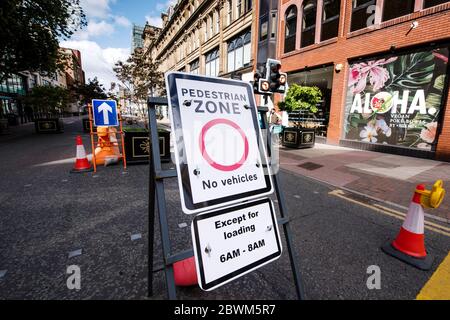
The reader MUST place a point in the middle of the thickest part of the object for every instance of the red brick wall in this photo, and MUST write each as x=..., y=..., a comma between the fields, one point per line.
x=434, y=25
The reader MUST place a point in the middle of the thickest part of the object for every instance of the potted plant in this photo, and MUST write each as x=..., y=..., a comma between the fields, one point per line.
x=137, y=145
x=48, y=103
x=301, y=104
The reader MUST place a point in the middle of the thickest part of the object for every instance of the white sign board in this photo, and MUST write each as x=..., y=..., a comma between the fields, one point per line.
x=219, y=152
x=234, y=241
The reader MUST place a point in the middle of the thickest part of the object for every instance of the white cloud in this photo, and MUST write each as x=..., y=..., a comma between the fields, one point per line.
x=96, y=8
x=96, y=61
x=122, y=21
x=154, y=21
x=163, y=6
x=94, y=29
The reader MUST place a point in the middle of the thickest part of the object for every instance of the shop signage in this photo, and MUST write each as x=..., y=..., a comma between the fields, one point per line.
x=218, y=155
x=397, y=100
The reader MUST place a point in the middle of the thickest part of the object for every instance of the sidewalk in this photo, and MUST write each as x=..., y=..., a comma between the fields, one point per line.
x=389, y=178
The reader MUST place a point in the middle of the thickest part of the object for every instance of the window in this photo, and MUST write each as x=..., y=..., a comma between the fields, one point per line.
x=229, y=13
x=217, y=21
x=212, y=63
x=263, y=28
x=309, y=23
x=195, y=66
x=238, y=8
x=291, y=29
x=211, y=24
x=239, y=52
x=432, y=3
x=205, y=22
x=396, y=8
x=330, y=19
x=248, y=5
x=363, y=14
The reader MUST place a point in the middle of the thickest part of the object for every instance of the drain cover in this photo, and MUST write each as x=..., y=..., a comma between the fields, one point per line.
x=310, y=166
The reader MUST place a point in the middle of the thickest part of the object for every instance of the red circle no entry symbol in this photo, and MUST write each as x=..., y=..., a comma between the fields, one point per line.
x=205, y=154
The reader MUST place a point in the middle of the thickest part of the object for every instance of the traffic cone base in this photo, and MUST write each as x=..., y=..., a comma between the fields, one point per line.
x=420, y=263
x=185, y=272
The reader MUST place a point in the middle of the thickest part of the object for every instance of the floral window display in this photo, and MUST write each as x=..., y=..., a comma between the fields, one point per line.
x=397, y=100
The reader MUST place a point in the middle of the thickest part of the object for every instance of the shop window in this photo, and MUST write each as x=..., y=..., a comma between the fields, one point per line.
x=195, y=67
x=432, y=3
x=363, y=14
x=212, y=63
x=239, y=52
x=330, y=19
x=396, y=8
x=309, y=23
x=291, y=29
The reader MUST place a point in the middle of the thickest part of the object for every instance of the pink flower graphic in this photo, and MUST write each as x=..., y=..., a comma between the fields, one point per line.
x=428, y=134
x=440, y=56
x=377, y=75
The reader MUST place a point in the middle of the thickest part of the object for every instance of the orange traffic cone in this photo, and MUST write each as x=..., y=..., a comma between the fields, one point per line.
x=409, y=246
x=82, y=163
x=184, y=272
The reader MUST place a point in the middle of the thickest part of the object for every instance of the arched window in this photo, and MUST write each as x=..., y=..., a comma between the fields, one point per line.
x=330, y=19
x=309, y=23
x=291, y=29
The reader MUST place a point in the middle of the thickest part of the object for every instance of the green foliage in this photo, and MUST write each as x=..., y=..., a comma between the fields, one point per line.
x=91, y=90
x=30, y=31
x=48, y=99
x=140, y=75
x=412, y=71
x=301, y=98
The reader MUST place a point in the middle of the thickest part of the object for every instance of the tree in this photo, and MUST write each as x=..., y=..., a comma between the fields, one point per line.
x=301, y=98
x=91, y=90
x=48, y=100
x=30, y=33
x=140, y=77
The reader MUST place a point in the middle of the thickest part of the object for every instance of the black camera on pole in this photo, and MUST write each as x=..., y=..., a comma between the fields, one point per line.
x=277, y=80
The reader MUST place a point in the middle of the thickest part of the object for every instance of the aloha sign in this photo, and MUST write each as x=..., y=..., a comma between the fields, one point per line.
x=397, y=100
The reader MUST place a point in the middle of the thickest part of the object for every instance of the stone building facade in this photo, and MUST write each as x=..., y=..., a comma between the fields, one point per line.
x=208, y=37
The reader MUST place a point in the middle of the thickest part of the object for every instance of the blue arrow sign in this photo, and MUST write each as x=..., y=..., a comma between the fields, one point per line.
x=105, y=113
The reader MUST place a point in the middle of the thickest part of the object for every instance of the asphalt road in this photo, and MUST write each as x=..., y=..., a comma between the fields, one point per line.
x=47, y=212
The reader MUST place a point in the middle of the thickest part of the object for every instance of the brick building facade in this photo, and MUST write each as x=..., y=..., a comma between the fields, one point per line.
x=374, y=54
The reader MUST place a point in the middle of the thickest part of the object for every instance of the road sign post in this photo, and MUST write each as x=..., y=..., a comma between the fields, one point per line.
x=247, y=263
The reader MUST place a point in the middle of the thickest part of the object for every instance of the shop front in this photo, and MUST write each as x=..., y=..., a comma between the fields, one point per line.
x=395, y=103
x=321, y=77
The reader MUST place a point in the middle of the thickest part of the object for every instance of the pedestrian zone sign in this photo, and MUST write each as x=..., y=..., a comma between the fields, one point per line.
x=234, y=241
x=219, y=153
x=105, y=113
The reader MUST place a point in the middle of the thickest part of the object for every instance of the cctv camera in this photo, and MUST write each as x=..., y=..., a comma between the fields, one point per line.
x=414, y=24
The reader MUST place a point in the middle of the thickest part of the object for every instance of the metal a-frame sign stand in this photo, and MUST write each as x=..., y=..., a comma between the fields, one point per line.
x=157, y=197
x=95, y=133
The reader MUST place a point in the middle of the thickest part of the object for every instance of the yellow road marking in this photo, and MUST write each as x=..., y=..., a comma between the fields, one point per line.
x=404, y=215
x=390, y=212
x=438, y=286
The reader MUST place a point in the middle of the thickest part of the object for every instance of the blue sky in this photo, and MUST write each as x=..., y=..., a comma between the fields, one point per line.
x=107, y=37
